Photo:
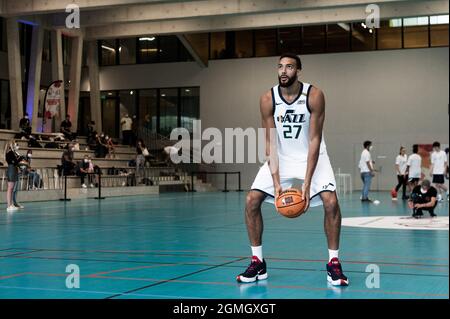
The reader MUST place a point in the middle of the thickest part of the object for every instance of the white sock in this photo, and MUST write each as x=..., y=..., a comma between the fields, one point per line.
x=257, y=251
x=332, y=254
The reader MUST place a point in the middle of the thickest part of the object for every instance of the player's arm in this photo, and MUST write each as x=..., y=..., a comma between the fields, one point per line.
x=266, y=108
x=317, y=108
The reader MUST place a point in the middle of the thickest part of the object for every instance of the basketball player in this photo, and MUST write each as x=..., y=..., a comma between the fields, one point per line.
x=438, y=170
x=293, y=115
x=414, y=168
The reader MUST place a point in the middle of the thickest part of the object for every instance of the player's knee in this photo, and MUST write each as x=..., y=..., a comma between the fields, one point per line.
x=331, y=206
x=253, y=202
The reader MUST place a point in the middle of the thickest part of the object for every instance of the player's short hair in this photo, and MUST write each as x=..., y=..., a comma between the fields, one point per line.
x=415, y=148
x=292, y=56
x=436, y=144
x=367, y=144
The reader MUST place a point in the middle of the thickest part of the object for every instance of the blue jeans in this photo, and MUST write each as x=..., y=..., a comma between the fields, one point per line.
x=367, y=179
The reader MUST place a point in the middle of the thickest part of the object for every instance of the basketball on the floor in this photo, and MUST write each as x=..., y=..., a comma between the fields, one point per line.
x=394, y=193
x=290, y=204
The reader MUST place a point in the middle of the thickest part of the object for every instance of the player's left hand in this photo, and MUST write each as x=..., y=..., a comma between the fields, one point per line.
x=305, y=195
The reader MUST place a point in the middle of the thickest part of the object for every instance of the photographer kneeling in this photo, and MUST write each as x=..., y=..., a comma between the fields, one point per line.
x=423, y=197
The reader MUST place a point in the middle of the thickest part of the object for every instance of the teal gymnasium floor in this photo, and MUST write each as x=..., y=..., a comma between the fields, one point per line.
x=181, y=245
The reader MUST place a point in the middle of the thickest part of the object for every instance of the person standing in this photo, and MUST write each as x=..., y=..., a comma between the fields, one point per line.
x=13, y=159
x=438, y=170
x=414, y=168
x=293, y=114
x=400, y=167
x=126, y=123
x=367, y=170
x=140, y=160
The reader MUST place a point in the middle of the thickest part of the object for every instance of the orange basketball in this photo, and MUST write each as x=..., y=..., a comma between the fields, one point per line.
x=290, y=204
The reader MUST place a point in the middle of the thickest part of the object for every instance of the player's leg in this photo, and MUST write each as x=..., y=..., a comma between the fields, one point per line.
x=323, y=191
x=332, y=226
x=261, y=188
x=253, y=217
x=254, y=221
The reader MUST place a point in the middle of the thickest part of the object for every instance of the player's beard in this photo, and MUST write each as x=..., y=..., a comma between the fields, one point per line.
x=291, y=81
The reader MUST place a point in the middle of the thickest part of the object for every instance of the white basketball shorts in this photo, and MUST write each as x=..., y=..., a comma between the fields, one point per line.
x=323, y=179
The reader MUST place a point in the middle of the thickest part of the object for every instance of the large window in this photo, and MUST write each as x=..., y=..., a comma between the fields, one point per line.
x=290, y=40
x=338, y=37
x=108, y=52
x=265, y=42
x=159, y=110
x=244, y=44
x=3, y=46
x=127, y=51
x=67, y=49
x=46, y=47
x=127, y=100
x=412, y=32
x=5, y=108
x=168, y=49
x=189, y=104
x=110, y=113
x=148, y=49
x=168, y=120
x=363, y=38
x=148, y=109
x=313, y=39
x=217, y=45
x=439, y=31
x=415, y=32
x=84, y=113
x=389, y=35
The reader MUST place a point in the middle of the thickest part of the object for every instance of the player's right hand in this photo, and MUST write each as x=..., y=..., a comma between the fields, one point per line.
x=278, y=190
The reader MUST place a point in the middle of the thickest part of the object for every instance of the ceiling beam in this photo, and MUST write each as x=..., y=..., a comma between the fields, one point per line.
x=26, y=7
x=192, y=51
x=255, y=21
x=196, y=9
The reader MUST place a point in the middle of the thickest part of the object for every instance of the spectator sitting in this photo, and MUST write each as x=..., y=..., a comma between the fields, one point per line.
x=68, y=165
x=111, y=147
x=75, y=145
x=25, y=126
x=83, y=169
x=101, y=148
x=51, y=144
x=91, y=135
x=32, y=142
x=423, y=197
x=34, y=179
x=66, y=127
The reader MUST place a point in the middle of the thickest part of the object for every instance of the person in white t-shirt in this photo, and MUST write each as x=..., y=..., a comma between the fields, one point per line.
x=126, y=124
x=367, y=170
x=414, y=168
x=439, y=169
x=400, y=168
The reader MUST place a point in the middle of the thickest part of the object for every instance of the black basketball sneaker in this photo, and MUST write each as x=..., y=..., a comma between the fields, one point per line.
x=334, y=273
x=255, y=271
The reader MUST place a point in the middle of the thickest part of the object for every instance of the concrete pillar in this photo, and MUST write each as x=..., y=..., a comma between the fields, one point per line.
x=94, y=83
x=58, y=71
x=75, y=78
x=34, y=75
x=15, y=72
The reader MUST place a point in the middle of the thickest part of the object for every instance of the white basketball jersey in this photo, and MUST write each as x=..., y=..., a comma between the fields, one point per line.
x=292, y=124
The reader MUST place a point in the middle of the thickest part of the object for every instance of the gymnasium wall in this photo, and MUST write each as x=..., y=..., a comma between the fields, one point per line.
x=395, y=97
